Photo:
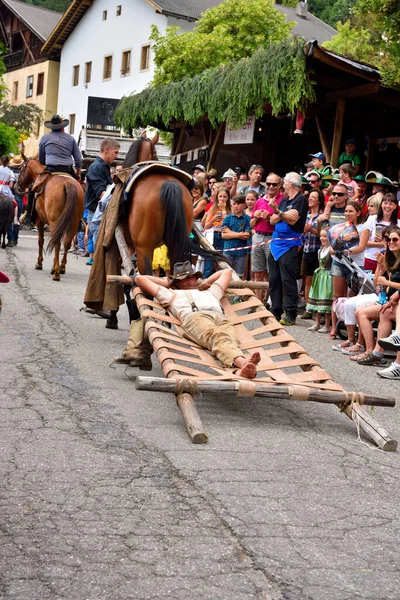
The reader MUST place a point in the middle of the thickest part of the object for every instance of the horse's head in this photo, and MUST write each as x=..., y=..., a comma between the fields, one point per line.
x=147, y=150
x=28, y=173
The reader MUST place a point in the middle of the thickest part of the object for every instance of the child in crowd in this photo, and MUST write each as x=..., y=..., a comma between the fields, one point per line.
x=346, y=172
x=236, y=233
x=213, y=219
x=320, y=297
x=251, y=199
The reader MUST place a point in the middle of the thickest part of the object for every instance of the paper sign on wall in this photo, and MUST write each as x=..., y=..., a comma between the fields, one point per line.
x=178, y=159
x=189, y=156
x=195, y=154
x=244, y=135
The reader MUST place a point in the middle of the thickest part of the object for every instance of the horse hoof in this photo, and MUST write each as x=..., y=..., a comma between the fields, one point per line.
x=62, y=270
x=56, y=277
x=38, y=267
x=52, y=272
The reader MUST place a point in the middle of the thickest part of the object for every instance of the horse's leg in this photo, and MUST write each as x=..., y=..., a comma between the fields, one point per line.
x=67, y=246
x=56, y=263
x=144, y=260
x=40, y=228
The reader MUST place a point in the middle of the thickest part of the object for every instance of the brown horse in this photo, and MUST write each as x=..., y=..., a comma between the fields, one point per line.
x=59, y=204
x=160, y=212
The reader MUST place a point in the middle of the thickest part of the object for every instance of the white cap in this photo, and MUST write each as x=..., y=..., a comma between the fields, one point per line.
x=228, y=174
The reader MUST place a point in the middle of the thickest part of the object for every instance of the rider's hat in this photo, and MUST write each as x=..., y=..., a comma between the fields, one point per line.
x=56, y=122
x=183, y=270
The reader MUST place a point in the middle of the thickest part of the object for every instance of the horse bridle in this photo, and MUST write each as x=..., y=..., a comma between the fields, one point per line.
x=21, y=172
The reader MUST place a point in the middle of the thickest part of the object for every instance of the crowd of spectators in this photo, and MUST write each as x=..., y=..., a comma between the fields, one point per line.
x=277, y=229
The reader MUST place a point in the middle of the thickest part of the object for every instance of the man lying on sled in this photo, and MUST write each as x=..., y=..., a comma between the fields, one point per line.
x=199, y=310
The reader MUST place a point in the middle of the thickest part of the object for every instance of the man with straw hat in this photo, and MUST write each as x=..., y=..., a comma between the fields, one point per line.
x=58, y=150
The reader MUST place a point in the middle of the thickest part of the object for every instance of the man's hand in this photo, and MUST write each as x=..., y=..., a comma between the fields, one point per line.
x=265, y=214
x=257, y=214
x=272, y=204
x=203, y=285
x=244, y=235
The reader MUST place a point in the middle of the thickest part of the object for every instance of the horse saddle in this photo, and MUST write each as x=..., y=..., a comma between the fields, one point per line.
x=41, y=180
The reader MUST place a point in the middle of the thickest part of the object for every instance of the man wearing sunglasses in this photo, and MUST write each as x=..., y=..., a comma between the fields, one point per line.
x=263, y=228
x=334, y=209
x=314, y=179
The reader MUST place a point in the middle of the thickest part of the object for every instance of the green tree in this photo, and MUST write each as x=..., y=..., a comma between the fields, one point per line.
x=232, y=30
x=57, y=5
x=331, y=12
x=372, y=34
x=9, y=139
x=24, y=117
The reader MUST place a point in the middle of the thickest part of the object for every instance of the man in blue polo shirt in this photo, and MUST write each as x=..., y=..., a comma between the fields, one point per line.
x=236, y=232
x=289, y=220
x=98, y=179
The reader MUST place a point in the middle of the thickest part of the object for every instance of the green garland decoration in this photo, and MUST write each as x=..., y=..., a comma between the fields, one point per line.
x=275, y=75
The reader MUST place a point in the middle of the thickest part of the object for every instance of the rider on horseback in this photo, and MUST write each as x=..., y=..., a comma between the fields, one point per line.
x=58, y=150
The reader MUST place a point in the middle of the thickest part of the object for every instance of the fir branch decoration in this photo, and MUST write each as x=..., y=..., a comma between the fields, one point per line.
x=276, y=75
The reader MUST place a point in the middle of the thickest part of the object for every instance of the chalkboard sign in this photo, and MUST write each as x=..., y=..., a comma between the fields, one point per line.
x=101, y=111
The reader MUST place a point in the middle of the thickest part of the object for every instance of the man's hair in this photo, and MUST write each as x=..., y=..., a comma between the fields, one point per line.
x=111, y=143
x=347, y=168
x=254, y=167
x=294, y=179
x=275, y=175
x=342, y=185
x=239, y=199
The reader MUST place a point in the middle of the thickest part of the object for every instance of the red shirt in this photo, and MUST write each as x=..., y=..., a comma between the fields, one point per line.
x=264, y=226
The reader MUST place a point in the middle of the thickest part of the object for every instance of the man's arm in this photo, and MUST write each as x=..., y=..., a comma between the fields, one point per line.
x=42, y=155
x=76, y=153
x=223, y=278
x=149, y=284
x=97, y=181
x=290, y=217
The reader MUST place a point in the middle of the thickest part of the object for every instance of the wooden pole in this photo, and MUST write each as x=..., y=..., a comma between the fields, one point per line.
x=265, y=390
x=323, y=140
x=370, y=154
x=184, y=400
x=123, y=250
x=375, y=432
x=252, y=285
x=337, y=133
x=193, y=422
x=216, y=145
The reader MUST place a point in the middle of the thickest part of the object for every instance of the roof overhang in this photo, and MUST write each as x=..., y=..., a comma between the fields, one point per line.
x=169, y=13
x=66, y=25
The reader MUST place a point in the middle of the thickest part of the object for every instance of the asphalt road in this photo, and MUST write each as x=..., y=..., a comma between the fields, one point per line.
x=104, y=497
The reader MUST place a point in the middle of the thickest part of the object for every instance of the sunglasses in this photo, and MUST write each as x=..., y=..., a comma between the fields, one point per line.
x=271, y=184
x=340, y=194
x=313, y=180
x=393, y=240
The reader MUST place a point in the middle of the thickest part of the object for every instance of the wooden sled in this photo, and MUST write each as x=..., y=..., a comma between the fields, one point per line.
x=285, y=370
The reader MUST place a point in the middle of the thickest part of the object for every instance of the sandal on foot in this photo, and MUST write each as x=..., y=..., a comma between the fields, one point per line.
x=357, y=357
x=324, y=330
x=372, y=361
x=340, y=347
x=332, y=336
x=356, y=349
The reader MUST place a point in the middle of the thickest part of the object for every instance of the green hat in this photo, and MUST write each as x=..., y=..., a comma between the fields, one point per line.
x=359, y=178
x=384, y=181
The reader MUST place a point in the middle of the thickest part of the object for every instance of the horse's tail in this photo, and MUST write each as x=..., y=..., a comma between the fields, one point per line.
x=6, y=212
x=61, y=225
x=180, y=246
x=175, y=235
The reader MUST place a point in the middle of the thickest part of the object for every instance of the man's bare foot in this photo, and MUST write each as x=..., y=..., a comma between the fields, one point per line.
x=255, y=358
x=248, y=370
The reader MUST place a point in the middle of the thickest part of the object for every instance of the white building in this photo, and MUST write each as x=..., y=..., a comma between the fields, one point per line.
x=106, y=52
